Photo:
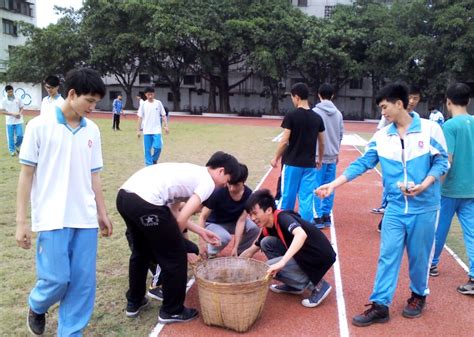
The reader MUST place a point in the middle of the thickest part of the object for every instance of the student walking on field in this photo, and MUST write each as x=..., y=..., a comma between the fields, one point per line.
x=151, y=114
x=61, y=159
x=12, y=108
x=412, y=153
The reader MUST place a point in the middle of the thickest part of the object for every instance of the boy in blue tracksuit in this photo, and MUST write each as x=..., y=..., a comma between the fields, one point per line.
x=412, y=153
x=457, y=192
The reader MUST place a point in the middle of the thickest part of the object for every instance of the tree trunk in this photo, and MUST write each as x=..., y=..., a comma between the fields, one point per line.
x=212, y=96
x=129, y=100
x=176, y=97
x=224, y=103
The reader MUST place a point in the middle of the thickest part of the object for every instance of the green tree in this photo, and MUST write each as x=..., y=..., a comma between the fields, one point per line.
x=55, y=49
x=115, y=30
x=278, y=31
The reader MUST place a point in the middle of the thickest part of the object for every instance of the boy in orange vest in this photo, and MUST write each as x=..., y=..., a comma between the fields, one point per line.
x=298, y=253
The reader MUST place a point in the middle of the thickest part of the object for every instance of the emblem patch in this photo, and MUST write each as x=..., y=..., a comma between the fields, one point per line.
x=150, y=220
x=421, y=144
x=89, y=143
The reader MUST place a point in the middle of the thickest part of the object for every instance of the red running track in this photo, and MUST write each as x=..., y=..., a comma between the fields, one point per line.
x=447, y=313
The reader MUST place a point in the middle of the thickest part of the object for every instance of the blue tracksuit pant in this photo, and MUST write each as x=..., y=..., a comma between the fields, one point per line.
x=324, y=175
x=152, y=143
x=416, y=232
x=14, y=136
x=465, y=210
x=299, y=181
x=65, y=267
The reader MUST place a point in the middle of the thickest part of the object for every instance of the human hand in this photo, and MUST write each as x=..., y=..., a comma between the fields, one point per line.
x=275, y=268
x=319, y=164
x=139, y=133
x=211, y=237
x=105, y=226
x=23, y=236
x=167, y=130
x=234, y=251
x=193, y=258
x=324, y=191
x=273, y=163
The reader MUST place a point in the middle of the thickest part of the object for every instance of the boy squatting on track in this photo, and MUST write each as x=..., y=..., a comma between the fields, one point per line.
x=61, y=158
x=412, y=153
x=298, y=253
x=149, y=203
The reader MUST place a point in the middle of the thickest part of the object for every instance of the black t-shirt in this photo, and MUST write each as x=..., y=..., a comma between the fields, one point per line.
x=304, y=126
x=316, y=244
x=224, y=208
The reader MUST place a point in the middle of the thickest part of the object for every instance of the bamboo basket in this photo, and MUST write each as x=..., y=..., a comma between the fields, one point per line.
x=232, y=291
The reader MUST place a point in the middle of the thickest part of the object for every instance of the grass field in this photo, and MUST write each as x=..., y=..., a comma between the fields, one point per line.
x=122, y=156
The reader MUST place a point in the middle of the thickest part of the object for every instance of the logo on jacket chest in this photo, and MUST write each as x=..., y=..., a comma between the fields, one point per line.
x=150, y=220
x=421, y=144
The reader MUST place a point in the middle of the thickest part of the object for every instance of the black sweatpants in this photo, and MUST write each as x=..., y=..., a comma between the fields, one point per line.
x=116, y=122
x=155, y=236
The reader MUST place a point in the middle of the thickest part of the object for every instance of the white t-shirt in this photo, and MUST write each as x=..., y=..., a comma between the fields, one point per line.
x=61, y=194
x=12, y=105
x=151, y=114
x=48, y=105
x=167, y=183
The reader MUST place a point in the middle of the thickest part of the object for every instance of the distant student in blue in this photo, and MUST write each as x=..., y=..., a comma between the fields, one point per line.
x=413, y=157
x=457, y=191
x=12, y=108
x=117, y=110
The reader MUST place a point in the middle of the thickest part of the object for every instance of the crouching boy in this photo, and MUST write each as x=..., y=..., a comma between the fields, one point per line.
x=298, y=253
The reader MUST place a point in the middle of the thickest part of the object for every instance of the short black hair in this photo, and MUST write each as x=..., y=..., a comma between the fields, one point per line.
x=300, y=89
x=84, y=81
x=8, y=87
x=414, y=90
x=459, y=94
x=225, y=160
x=52, y=81
x=242, y=176
x=392, y=93
x=326, y=91
x=149, y=89
x=263, y=198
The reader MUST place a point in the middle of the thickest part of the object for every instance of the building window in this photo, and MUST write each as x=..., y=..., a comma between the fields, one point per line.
x=356, y=83
x=18, y=6
x=188, y=80
x=144, y=78
x=328, y=11
x=9, y=27
x=302, y=3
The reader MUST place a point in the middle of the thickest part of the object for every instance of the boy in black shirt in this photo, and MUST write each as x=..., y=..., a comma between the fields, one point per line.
x=298, y=253
x=302, y=130
x=224, y=214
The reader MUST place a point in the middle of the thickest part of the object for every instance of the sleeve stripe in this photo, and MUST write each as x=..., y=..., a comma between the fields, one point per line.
x=97, y=169
x=27, y=162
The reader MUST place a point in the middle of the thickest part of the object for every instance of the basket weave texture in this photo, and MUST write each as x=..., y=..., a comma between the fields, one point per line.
x=232, y=291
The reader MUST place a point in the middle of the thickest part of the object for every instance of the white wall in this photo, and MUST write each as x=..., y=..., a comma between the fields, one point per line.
x=29, y=93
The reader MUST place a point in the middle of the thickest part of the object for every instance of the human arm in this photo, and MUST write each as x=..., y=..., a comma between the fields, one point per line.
x=205, y=212
x=285, y=138
x=319, y=163
x=23, y=230
x=325, y=190
x=239, y=231
x=250, y=252
x=191, y=206
x=105, y=224
x=164, y=120
x=298, y=241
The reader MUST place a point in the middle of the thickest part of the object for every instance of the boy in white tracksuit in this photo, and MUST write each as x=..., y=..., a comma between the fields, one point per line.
x=413, y=155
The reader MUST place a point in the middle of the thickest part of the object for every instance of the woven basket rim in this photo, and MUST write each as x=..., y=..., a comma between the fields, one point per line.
x=200, y=263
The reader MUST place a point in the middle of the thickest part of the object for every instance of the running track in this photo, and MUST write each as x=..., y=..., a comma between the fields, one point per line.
x=447, y=313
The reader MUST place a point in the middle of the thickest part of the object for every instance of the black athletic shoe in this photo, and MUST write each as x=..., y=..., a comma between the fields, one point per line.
x=133, y=309
x=318, y=222
x=188, y=314
x=415, y=306
x=156, y=293
x=35, y=322
x=377, y=313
